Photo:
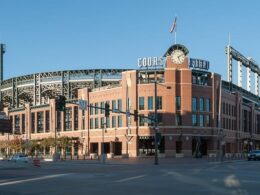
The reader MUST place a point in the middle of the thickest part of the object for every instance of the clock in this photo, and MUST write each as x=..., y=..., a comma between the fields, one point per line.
x=178, y=56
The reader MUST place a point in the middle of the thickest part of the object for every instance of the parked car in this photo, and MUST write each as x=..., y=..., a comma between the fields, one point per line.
x=18, y=158
x=253, y=155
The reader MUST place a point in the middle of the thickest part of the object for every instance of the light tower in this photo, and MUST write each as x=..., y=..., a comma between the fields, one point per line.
x=2, y=51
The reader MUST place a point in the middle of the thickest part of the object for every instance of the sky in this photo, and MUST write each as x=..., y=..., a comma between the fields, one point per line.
x=54, y=35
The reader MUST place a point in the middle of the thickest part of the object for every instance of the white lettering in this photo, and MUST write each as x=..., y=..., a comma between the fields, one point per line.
x=140, y=64
x=200, y=64
x=150, y=61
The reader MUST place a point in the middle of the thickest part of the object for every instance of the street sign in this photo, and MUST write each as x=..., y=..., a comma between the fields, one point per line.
x=83, y=104
x=127, y=113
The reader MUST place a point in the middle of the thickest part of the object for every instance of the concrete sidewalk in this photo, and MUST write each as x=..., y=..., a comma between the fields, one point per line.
x=115, y=161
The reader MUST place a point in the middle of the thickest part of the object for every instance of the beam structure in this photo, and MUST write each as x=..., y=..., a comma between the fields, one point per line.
x=37, y=88
x=239, y=73
x=249, y=63
x=256, y=84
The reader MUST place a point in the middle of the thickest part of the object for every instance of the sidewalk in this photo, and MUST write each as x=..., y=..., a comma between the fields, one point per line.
x=147, y=161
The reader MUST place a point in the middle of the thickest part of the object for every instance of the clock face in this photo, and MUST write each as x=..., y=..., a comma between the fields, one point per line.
x=178, y=56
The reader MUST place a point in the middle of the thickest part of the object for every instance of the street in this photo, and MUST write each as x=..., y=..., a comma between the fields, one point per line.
x=131, y=176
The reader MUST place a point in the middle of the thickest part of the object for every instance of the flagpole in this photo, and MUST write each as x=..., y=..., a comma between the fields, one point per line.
x=174, y=29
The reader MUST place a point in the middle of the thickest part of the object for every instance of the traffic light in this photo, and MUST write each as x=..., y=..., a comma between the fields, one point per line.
x=107, y=110
x=135, y=115
x=60, y=103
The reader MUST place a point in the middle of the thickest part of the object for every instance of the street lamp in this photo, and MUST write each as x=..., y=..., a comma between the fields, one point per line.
x=103, y=159
x=155, y=125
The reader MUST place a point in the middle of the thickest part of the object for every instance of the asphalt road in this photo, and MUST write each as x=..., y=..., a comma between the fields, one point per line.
x=190, y=176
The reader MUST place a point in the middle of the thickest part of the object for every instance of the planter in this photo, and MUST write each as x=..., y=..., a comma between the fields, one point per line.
x=110, y=155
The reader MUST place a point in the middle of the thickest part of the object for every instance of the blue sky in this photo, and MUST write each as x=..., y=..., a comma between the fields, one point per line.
x=51, y=35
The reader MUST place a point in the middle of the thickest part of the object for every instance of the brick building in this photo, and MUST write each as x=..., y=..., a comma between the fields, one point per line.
x=197, y=113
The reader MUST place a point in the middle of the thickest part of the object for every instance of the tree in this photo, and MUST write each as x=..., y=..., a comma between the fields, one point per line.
x=3, y=146
x=64, y=142
x=34, y=146
x=48, y=142
x=14, y=144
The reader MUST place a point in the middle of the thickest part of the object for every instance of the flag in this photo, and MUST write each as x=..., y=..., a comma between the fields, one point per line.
x=174, y=24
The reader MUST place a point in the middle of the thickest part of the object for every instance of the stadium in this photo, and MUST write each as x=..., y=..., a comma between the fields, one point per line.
x=194, y=112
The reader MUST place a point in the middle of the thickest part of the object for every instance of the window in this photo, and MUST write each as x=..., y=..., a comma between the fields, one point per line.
x=23, y=123
x=113, y=104
x=17, y=124
x=201, y=104
x=40, y=122
x=91, y=109
x=33, y=122
x=129, y=104
x=107, y=122
x=178, y=103
x=201, y=121
x=207, y=120
x=194, y=103
x=141, y=103
x=76, y=118
x=102, y=123
x=91, y=123
x=142, y=120
x=47, y=121
x=119, y=104
x=58, y=121
x=102, y=106
x=207, y=104
x=150, y=103
x=226, y=108
x=120, y=121
x=245, y=120
x=83, y=119
x=159, y=102
x=96, y=123
x=113, y=121
x=194, y=120
x=68, y=119
x=96, y=109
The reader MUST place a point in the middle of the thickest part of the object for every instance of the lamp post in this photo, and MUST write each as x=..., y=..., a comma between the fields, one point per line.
x=55, y=139
x=103, y=159
x=155, y=125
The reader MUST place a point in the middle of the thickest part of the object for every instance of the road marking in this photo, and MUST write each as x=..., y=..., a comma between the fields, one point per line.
x=231, y=181
x=130, y=178
x=32, y=179
x=186, y=179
